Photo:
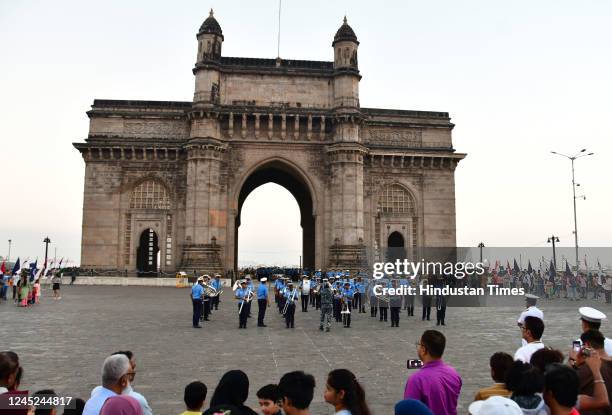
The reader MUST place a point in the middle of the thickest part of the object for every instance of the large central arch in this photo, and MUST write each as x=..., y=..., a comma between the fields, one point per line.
x=284, y=174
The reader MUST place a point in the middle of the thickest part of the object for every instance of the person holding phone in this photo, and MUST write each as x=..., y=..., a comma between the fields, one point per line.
x=436, y=384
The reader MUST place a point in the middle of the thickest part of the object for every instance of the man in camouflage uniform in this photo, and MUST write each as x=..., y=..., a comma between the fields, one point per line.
x=327, y=301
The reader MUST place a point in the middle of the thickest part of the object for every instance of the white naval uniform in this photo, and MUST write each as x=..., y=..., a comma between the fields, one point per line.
x=532, y=311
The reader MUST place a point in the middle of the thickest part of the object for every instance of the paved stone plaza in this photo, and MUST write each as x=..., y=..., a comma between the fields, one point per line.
x=62, y=344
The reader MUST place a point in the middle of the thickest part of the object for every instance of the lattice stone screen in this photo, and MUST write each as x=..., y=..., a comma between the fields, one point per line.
x=396, y=200
x=150, y=195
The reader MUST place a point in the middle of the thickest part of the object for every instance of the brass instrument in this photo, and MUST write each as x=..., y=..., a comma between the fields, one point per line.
x=246, y=299
x=210, y=291
x=291, y=298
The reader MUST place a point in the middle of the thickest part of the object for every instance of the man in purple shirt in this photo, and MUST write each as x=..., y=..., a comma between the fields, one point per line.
x=437, y=384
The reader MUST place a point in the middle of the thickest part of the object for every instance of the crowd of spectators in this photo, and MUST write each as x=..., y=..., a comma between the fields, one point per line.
x=536, y=381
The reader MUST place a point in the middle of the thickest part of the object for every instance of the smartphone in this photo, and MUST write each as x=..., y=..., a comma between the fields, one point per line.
x=414, y=364
x=576, y=345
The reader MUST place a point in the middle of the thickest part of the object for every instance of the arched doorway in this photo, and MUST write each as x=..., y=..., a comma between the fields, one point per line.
x=270, y=232
x=395, y=246
x=147, y=254
x=286, y=176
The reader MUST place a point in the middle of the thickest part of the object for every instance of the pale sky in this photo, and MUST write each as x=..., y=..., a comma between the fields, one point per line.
x=519, y=79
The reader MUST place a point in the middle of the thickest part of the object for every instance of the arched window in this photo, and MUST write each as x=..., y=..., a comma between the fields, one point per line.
x=396, y=200
x=150, y=194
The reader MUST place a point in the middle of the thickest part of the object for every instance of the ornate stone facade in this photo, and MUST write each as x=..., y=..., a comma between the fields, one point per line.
x=165, y=181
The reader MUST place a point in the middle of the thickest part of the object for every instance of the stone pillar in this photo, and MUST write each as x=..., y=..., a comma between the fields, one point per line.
x=283, y=126
x=322, y=129
x=230, y=125
x=270, y=126
x=296, y=127
x=309, y=127
x=347, y=216
x=243, y=126
x=205, y=206
x=256, y=125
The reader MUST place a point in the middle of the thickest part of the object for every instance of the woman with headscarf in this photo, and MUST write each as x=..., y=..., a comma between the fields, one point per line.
x=121, y=405
x=230, y=394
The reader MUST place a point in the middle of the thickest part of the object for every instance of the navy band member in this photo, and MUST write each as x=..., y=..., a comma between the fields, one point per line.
x=327, y=305
x=426, y=300
x=395, y=303
x=243, y=294
x=305, y=293
x=196, y=300
x=216, y=284
x=409, y=298
x=359, y=298
x=337, y=302
x=372, y=298
x=347, y=304
x=251, y=287
x=440, y=303
x=206, y=300
x=291, y=295
x=281, y=287
x=262, y=301
x=383, y=301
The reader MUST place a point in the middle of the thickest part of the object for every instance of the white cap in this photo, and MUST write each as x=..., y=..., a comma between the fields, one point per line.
x=264, y=279
x=200, y=278
x=531, y=296
x=495, y=405
x=591, y=314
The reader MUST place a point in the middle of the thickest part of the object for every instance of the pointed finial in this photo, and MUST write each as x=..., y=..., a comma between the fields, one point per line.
x=211, y=12
x=345, y=19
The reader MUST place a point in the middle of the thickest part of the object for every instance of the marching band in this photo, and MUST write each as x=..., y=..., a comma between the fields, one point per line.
x=334, y=293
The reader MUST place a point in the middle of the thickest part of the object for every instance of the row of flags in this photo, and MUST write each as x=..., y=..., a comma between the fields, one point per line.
x=550, y=270
x=32, y=267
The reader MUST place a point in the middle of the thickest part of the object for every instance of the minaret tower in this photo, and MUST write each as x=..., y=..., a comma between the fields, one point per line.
x=346, y=156
x=205, y=200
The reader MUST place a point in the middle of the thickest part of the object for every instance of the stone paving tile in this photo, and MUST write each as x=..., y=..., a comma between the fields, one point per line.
x=62, y=344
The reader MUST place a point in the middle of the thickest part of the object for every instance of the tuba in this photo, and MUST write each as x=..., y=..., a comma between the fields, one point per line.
x=210, y=291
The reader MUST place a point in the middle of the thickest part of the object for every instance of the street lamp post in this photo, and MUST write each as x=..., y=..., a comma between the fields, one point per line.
x=9, y=253
x=581, y=153
x=552, y=239
x=481, y=245
x=47, y=241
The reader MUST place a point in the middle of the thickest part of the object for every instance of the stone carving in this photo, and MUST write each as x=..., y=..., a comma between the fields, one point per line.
x=394, y=137
x=156, y=129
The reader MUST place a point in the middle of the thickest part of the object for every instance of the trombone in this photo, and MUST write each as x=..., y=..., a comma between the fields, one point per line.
x=247, y=298
x=291, y=298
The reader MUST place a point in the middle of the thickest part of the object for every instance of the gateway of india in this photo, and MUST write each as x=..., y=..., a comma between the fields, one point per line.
x=165, y=181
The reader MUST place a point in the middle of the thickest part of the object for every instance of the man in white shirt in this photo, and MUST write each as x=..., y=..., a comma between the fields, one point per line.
x=115, y=379
x=532, y=330
x=530, y=310
x=591, y=319
x=305, y=292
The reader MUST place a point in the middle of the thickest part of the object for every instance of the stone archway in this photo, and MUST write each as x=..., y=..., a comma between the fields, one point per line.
x=147, y=261
x=287, y=176
x=396, y=246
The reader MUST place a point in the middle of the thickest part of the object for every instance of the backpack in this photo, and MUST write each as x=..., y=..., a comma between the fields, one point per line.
x=327, y=297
